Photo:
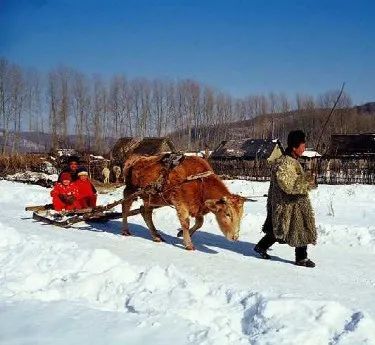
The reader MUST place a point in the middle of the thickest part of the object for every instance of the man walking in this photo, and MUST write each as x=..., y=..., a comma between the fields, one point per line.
x=290, y=217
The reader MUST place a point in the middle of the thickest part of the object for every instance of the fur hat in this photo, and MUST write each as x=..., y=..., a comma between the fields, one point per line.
x=65, y=176
x=73, y=159
x=82, y=171
x=295, y=138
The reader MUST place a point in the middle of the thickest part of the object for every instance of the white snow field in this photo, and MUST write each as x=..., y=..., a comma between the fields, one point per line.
x=90, y=285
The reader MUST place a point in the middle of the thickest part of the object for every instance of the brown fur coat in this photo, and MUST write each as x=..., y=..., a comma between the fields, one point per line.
x=289, y=212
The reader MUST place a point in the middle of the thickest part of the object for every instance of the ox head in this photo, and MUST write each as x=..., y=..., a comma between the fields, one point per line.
x=228, y=211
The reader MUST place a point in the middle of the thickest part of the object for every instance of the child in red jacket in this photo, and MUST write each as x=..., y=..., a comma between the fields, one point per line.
x=86, y=190
x=65, y=194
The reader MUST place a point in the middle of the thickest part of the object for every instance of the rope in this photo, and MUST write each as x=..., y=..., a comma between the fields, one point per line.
x=199, y=176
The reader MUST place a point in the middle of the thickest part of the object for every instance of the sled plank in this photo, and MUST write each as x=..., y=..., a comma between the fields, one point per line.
x=81, y=217
x=39, y=207
x=47, y=220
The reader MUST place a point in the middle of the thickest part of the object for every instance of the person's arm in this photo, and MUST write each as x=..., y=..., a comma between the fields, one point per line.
x=76, y=190
x=290, y=180
x=93, y=188
x=55, y=190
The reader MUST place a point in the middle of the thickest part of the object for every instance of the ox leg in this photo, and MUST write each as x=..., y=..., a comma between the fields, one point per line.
x=198, y=224
x=183, y=216
x=126, y=205
x=146, y=212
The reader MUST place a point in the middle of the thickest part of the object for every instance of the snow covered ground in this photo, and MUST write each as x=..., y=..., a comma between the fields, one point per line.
x=89, y=285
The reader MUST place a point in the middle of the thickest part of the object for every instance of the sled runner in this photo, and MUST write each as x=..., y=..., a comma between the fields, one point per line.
x=64, y=219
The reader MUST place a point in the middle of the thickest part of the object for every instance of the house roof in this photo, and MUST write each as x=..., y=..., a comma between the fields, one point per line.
x=310, y=153
x=124, y=147
x=352, y=145
x=244, y=148
x=154, y=145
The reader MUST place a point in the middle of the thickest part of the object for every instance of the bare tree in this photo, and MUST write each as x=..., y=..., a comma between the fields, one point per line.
x=327, y=99
x=53, y=107
x=4, y=102
x=158, y=104
x=58, y=96
x=143, y=100
x=64, y=109
x=194, y=114
x=99, y=114
x=81, y=108
x=17, y=97
x=170, y=108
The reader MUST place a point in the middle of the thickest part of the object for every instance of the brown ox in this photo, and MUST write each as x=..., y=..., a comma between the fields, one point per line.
x=191, y=198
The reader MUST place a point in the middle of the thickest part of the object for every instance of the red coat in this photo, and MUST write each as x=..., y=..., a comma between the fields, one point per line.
x=86, y=193
x=59, y=192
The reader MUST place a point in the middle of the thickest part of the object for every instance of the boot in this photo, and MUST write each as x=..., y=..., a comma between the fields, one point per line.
x=262, y=252
x=305, y=263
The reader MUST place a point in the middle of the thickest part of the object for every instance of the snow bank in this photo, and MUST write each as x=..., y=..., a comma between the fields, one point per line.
x=345, y=215
x=15, y=196
x=32, y=177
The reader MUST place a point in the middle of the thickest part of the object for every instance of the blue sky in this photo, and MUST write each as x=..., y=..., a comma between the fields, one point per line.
x=240, y=47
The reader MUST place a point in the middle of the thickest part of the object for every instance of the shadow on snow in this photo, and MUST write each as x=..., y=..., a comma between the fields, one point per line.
x=203, y=241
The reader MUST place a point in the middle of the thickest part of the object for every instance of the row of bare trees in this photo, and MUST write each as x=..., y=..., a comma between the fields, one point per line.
x=66, y=102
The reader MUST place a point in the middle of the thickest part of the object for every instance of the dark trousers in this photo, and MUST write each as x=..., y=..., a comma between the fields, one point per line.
x=269, y=239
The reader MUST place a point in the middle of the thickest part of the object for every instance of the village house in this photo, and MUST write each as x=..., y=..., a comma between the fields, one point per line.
x=246, y=158
x=349, y=159
x=310, y=159
x=127, y=146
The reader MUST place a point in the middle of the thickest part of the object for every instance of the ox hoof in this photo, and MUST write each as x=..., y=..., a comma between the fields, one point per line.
x=158, y=239
x=190, y=247
x=179, y=234
x=126, y=233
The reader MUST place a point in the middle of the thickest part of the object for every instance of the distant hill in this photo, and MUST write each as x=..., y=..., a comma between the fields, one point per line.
x=368, y=108
x=39, y=142
x=358, y=119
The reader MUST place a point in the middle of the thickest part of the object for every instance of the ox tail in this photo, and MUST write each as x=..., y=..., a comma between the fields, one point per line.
x=127, y=177
x=127, y=171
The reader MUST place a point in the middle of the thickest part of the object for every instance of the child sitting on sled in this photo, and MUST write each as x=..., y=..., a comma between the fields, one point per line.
x=65, y=194
x=86, y=190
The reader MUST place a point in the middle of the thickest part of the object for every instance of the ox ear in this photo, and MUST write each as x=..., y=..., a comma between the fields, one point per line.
x=214, y=205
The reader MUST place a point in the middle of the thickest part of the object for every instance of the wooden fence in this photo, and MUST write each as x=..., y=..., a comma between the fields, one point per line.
x=346, y=170
x=242, y=169
x=329, y=170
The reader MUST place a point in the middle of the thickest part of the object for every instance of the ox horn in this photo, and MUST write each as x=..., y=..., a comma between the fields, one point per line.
x=224, y=199
x=251, y=198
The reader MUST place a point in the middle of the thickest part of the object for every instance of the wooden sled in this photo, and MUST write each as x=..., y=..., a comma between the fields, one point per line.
x=67, y=219
x=64, y=219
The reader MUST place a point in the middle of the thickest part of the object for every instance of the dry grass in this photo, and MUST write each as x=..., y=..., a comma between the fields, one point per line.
x=11, y=164
x=105, y=188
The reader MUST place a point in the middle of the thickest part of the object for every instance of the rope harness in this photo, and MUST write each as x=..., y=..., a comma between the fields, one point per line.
x=160, y=191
